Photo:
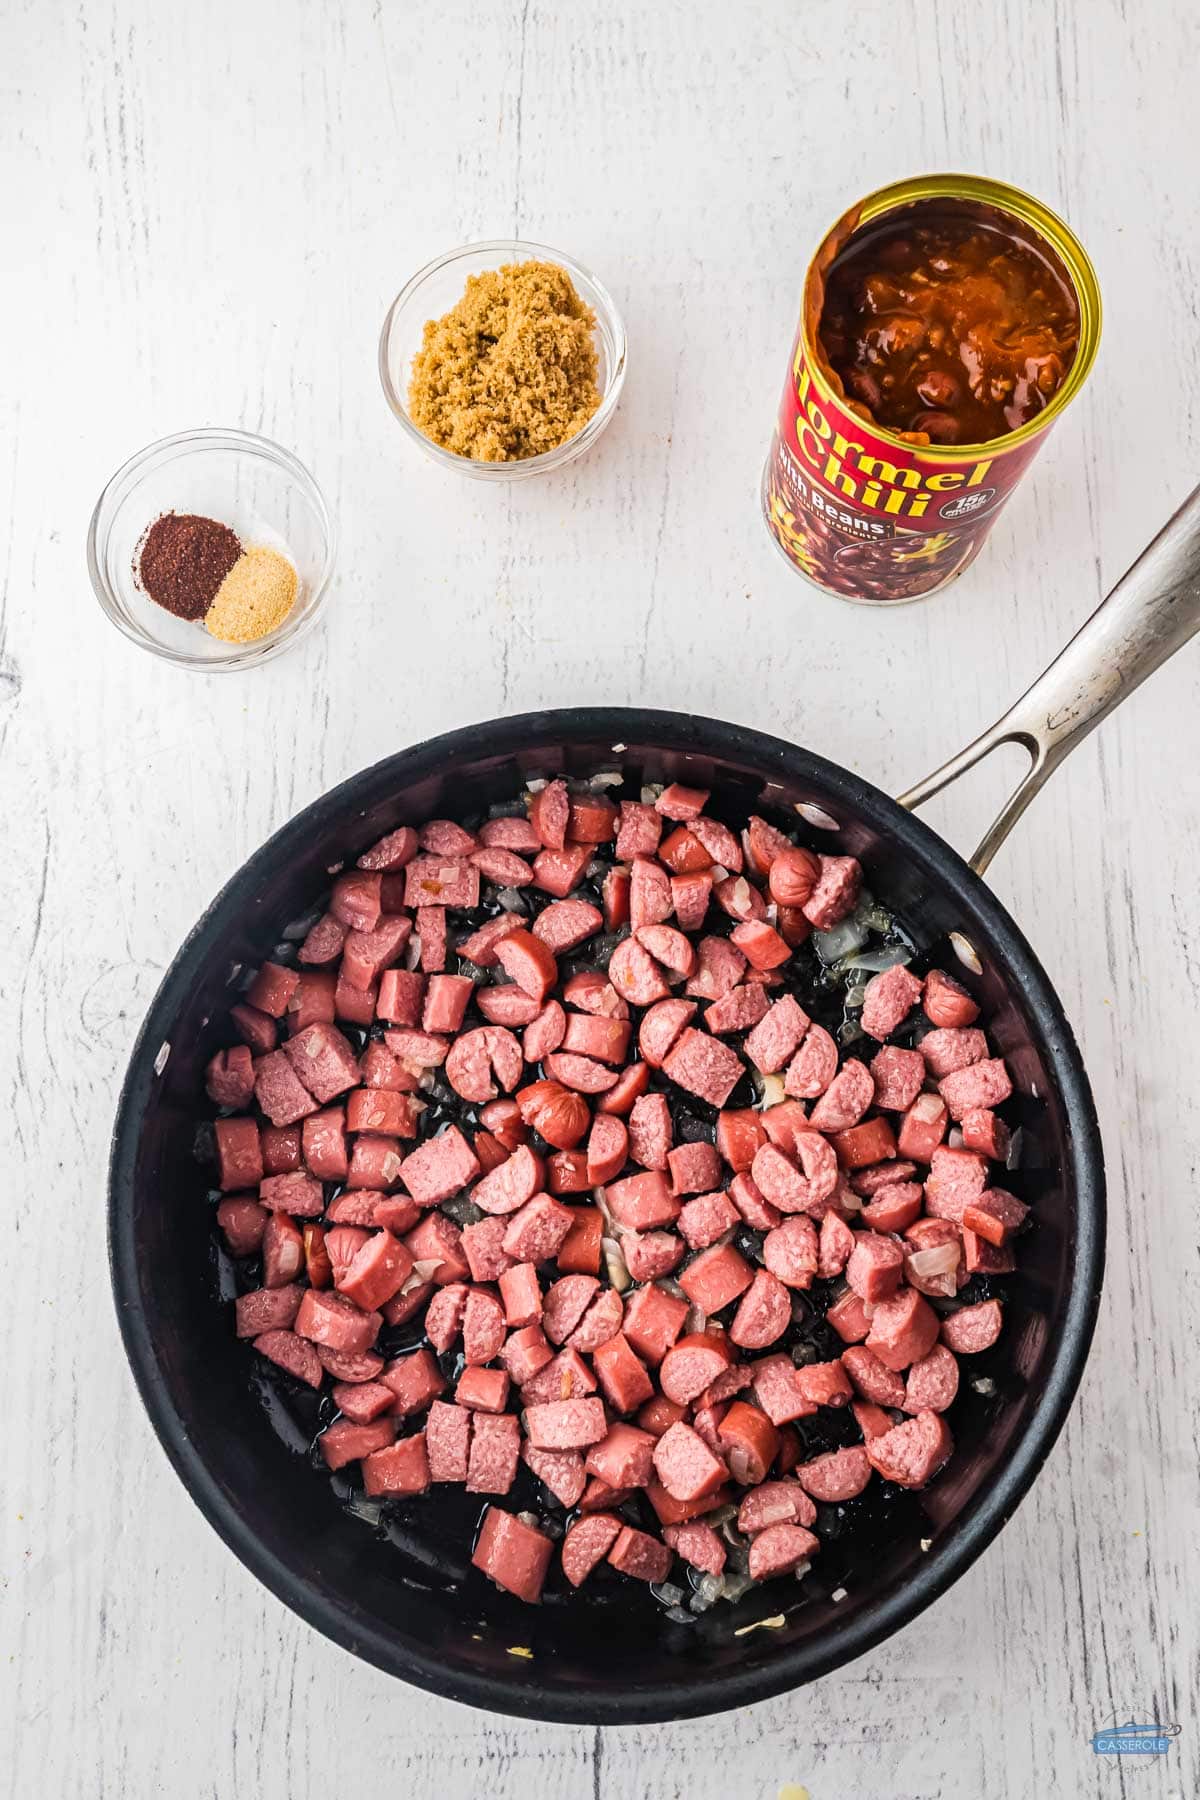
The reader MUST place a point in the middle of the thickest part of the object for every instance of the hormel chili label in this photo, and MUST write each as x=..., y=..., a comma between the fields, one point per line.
x=866, y=517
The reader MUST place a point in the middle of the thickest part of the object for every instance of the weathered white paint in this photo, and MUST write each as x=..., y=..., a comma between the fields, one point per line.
x=203, y=214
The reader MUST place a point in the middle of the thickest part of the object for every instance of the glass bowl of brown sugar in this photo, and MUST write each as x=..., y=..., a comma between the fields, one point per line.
x=438, y=293
x=245, y=489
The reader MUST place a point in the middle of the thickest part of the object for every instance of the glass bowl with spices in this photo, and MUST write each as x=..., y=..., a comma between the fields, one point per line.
x=503, y=359
x=213, y=549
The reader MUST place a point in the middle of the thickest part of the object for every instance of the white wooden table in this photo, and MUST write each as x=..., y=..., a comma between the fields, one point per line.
x=204, y=211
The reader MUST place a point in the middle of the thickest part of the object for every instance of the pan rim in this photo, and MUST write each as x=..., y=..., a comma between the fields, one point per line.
x=697, y=1693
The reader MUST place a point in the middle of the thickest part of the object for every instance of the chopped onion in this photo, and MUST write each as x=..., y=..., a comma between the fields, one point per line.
x=966, y=952
x=940, y=1259
x=738, y=1459
x=851, y=1201
x=462, y=1209
x=670, y=1286
x=651, y=792
x=300, y=928
x=618, y=749
x=614, y=1263
x=507, y=809
x=850, y=1032
x=678, y=1616
x=536, y=783
x=412, y=951
x=842, y=940
x=926, y=1543
x=666, y=1591
x=735, y=1587
x=821, y=821
x=856, y=995
x=983, y=1384
x=334, y=868
x=530, y=1519
x=839, y=1594
x=709, y=1589
x=1013, y=1159
x=954, y=1138
x=696, y=1319
x=510, y=899
x=370, y=1511
x=608, y=778
x=596, y=869
x=896, y=956
x=772, y=1091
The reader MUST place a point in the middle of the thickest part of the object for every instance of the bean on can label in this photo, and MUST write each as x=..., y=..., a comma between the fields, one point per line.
x=880, y=515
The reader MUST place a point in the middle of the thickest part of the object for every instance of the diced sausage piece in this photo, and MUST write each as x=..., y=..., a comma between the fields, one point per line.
x=719, y=842
x=431, y=930
x=738, y=1136
x=739, y=898
x=562, y=1377
x=749, y=1442
x=566, y=1302
x=606, y=1040
x=590, y=991
x=415, y=1380
x=793, y=875
x=362, y=1402
x=871, y=1420
x=705, y=1420
x=834, y=1246
x=984, y=1132
x=442, y=837
x=848, y=1318
x=544, y=1033
x=331, y=1319
x=480, y=947
x=681, y=804
x=528, y=962
x=652, y=1323
x=894, y=1208
x=229, y=1078
x=513, y=1554
x=280, y=1148
x=947, y=1003
x=369, y=953
x=489, y=1150
x=985, y=1084
x=324, y=942
x=706, y=1219
x=790, y=1251
x=693, y=1168
x=550, y=813
x=639, y=831
x=740, y=1008
x=296, y=1193
x=923, y=1127
x=447, y=1435
x=649, y=894
x=650, y=1132
x=243, y=1222
x=778, y=1549
x=871, y=1378
x=279, y=1091
x=635, y=974
x=408, y=1303
x=378, y=1271
x=623, y=1457
x=403, y=1468
x=836, y=893
x=482, y=1390
x=579, y=1252
x=561, y=1471
x=382, y=1111
x=587, y=1543
x=779, y=1181
x=502, y=867
x=932, y=1382
x=438, y=1240
x=324, y=1144
x=521, y=1294
x=324, y=1062
x=291, y=1353
x=342, y=1245
x=495, y=1450
x=602, y=1321
x=775, y=1503
x=440, y=1167
x=690, y=894
x=565, y=1424
x=904, y=1328
x=267, y=1309
x=955, y=1179
x=996, y=1216
x=401, y=997
x=239, y=1154
x=777, y=1035
x=362, y=1368
x=887, y=1001
x=503, y=1119
x=567, y=1172
x=685, y=1465
x=825, y=1384
x=754, y=1208
x=704, y=1066
x=348, y=1441
x=935, y=1264
x=876, y=1266
x=813, y=1067
x=558, y=871
x=760, y=944
x=845, y=1100
x=507, y=1188
x=660, y=1028
x=950, y=1049
x=668, y=947
x=355, y=1005
x=537, y=1230
x=640, y=1202
x=483, y=1329
x=446, y=1002
x=763, y=844
x=565, y=924
x=764, y=1313
x=720, y=967
x=982, y=1258
x=356, y=900
x=614, y=898
x=441, y=881
x=698, y=1544
x=607, y=1150
x=716, y=1278
x=375, y=1162
x=555, y=1113
x=911, y=1454
x=868, y=1142
x=888, y=1174
x=526, y=1355
x=838, y=1475
x=898, y=1075
x=638, y=1554
x=391, y=852
x=972, y=1328
x=258, y=1029
x=649, y=1255
x=314, y=1001
x=621, y=1374
x=675, y=1512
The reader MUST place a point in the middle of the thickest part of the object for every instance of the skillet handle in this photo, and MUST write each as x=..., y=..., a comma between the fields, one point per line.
x=1150, y=614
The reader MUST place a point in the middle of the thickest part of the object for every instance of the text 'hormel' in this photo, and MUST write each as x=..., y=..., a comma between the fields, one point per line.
x=853, y=469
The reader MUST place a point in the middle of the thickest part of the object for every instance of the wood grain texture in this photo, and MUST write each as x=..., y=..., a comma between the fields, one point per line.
x=203, y=216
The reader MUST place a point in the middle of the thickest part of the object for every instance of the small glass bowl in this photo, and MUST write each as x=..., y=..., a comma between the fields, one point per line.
x=256, y=488
x=438, y=287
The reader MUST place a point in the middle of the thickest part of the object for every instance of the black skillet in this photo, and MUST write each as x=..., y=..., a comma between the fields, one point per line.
x=610, y=1655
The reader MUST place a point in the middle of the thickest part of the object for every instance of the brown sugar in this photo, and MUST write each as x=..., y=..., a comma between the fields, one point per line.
x=511, y=370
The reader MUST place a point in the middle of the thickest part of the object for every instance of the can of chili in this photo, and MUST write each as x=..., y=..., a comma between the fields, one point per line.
x=947, y=322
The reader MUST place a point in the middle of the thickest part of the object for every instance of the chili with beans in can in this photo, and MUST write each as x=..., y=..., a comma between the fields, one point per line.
x=947, y=321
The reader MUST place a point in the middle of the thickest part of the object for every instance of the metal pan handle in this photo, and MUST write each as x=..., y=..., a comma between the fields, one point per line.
x=1150, y=614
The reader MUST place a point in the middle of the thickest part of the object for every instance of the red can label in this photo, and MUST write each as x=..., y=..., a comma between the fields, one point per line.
x=869, y=518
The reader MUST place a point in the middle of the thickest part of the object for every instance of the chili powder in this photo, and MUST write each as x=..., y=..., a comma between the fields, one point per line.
x=183, y=560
